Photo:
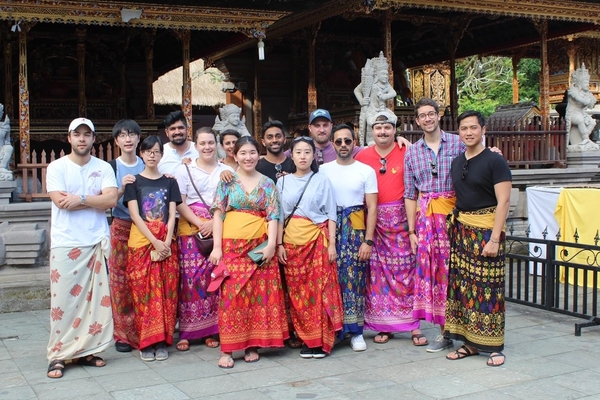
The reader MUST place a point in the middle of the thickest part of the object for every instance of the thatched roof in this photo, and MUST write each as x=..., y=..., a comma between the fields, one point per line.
x=206, y=86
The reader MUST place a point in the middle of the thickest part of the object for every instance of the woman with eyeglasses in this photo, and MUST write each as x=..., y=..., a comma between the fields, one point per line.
x=246, y=212
x=198, y=309
x=152, y=267
x=306, y=248
x=475, y=311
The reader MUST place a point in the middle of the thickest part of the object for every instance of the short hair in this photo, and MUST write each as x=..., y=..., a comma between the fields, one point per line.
x=425, y=101
x=339, y=127
x=228, y=132
x=471, y=113
x=314, y=166
x=173, y=117
x=149, y=143
x=245, y=140
x=127, y=125
x=204, y=129
x=271, y=124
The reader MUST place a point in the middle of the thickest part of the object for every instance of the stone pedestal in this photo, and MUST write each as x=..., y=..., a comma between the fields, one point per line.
x=6, y=189
x=577, y=159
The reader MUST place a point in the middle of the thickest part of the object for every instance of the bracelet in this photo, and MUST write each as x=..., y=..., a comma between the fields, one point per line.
x=412, y=232
x=279, y=244
x=494, y=241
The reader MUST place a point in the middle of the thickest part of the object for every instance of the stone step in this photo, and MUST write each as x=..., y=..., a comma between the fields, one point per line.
x=24, y=289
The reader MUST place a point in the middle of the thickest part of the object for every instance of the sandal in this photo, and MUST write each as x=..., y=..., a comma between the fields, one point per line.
x=251, y=355
x=416, y=339
x=91, y=362
x=211, y=342
x=294, y=343
x=183, y=345
x=56, y=365
x=459, y=355
x=385, y=337
x=228, y=364
x=494, y=355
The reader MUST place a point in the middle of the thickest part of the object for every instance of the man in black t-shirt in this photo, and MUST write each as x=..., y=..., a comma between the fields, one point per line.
x=275, y=163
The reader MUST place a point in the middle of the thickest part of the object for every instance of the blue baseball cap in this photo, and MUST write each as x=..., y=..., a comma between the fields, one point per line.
x=319, y=113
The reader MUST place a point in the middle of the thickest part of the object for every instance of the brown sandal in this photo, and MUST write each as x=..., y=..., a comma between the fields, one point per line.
x=183, y=345
x=211, y=342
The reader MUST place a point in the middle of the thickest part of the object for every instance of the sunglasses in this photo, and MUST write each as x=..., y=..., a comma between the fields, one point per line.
x=434, y=170
x=303, y=138
x=383, y=168
x=347, y=141
x=465, y=169
x=278, y=168
x=319, y=155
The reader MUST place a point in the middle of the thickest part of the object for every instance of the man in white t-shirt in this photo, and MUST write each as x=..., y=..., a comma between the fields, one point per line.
x=354, y=185
x=179, y=146
x=81, y=188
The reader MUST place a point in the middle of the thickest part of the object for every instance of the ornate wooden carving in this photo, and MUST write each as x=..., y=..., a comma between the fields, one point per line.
x=8, y=92
x=23, y=93
x=257, y=104
x=432, y=81
x=312, y=86
x=82, y=102
x=186, y=101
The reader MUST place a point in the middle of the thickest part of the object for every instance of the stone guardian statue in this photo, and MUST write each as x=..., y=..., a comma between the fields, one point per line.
x=579, y=123
x=372, y=93
x=229, y=118
x=6, y=149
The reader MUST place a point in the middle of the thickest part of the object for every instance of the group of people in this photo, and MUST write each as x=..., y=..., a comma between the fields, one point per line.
x=309, y=246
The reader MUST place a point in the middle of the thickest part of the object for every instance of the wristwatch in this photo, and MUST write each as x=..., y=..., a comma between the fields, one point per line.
x=82, y=198
x=369, y=242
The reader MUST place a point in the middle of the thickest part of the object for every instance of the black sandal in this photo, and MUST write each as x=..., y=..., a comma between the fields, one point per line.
x=56, y=365
x=91, y=362
x=466, y=352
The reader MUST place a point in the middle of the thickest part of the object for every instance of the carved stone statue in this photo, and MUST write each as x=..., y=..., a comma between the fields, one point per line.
x=372, y=93
x=579, y=123
x=230, y=119
x=6, y=150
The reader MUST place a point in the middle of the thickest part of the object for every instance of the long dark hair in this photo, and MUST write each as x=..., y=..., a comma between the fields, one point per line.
x=314, y=166
x=149, y=143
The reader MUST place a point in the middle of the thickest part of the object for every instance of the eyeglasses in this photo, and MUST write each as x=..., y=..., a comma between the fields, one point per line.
x=123, y=135
x=430, y=114
x=465, y=169
x=320, y=156
x=153, y=152
x=303, y=138
x=434, y=171
x=347, y=141
x=383, y=168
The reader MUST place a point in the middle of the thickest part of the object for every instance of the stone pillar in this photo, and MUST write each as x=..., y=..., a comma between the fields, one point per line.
x=23, y=94
x=81, y=98
x=257, y=104
x=8, y=89
x=312, y=86
x=387, y=50
x=515, y=78
x=186, y=101
x=545, y=74
x=149, y=50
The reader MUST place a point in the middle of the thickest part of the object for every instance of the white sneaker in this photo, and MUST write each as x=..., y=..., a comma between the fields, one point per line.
x=358, y=343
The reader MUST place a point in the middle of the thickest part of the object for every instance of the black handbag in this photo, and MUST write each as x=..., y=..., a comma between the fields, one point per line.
x=205, y=245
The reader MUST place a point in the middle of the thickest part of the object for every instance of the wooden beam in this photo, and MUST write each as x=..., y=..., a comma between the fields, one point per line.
x=312, y=85
x=81, y=98
x=256, y=103
x=149, y=53
x=24, y=94
x=387, y=51
x=542, y=26
x=186, y=101
x=8, y=89
x=515, y=78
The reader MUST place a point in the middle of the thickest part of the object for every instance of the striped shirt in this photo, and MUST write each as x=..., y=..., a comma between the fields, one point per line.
x=420, y=161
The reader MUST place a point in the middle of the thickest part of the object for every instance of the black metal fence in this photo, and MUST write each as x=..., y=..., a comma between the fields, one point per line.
x=554, y=275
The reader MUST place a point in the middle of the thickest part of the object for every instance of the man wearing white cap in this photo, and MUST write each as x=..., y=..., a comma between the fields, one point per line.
x=389, y=287
x=81, y=188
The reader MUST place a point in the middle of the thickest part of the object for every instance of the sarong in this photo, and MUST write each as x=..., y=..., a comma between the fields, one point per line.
x=312, y=284
x=122, y=302
x=198, y=309
x=351, y=272
x=390, y=277
x=251, y=304
x=433, y=250
x=153, y=285
x=81, y=321
x=475, y=309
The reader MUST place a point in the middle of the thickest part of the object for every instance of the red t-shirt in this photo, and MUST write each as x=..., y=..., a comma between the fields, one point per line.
x=390, y=184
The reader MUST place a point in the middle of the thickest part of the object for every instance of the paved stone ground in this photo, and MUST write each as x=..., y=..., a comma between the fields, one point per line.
x=544, y=361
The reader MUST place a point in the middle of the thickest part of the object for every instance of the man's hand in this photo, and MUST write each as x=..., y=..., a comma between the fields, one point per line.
x=226, y=176
x=402, y=141
x=364, y=253
x=186, y=161
x=69, y=201
x=414, y=242
x=206, y=228
x=127, y=179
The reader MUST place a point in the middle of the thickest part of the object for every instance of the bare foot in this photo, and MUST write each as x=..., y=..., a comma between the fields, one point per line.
x=251, y=355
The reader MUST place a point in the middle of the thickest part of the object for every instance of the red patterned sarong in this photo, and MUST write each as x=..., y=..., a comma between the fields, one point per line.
x=153, y=285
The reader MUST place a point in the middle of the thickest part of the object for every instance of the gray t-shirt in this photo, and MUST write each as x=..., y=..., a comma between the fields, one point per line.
x=318, y=202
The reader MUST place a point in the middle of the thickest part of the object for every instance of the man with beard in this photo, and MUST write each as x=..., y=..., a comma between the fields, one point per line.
x=389, y=290
x=275, y=163
x=179, y=146
x=353, y=238
x=81, y=188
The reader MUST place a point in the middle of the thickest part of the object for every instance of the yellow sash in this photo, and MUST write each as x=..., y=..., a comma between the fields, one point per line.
x=187, y=229
x=441, y=205
x=357, y=219
x=301, y=231
x=241, y=225
x=478, y=220
x=136, y=238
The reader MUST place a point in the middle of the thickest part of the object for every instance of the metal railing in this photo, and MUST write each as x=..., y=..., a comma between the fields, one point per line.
x=554, y=275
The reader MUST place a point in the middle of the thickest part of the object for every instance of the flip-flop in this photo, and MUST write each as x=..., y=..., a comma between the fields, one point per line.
x=386, y=335
x=229, y=359
x=418, y=336
x=466, y=352
x=92, y=362
x=56, y=365
x=248, y=353
x=211, y=342
x=490, y=360
x=183, y=345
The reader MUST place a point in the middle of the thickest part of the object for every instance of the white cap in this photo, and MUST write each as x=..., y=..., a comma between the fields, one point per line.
x=81, y=121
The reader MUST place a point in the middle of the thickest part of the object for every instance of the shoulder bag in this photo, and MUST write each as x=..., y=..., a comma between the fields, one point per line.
x=205, y=245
